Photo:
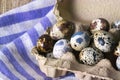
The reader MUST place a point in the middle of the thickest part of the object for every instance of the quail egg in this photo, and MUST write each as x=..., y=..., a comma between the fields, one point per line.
x=99, y=24
x=103, y=40
x=117, y=50
x=115, y=30
x=62, y=29
x=116, y=25
x=118, y=62
x=61, y=47
x=90, y=56
x=80, y=40
x=45, y=44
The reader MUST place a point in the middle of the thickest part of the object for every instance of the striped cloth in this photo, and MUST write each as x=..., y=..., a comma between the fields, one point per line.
x=19, y=31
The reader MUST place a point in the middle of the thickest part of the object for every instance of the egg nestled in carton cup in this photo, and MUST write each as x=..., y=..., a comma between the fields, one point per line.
x=115, y=30
x=95, y=45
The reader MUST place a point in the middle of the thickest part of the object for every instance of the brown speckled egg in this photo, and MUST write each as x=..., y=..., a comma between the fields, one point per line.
x=45, y=44
x=99, y=24
x=62, y=29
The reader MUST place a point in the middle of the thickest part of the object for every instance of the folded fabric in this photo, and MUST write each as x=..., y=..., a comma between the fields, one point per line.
x=19, y=30
x=16, y=22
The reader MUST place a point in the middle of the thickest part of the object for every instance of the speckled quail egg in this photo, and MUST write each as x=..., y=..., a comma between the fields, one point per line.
x=117, y=50
x=90, y=56
x=80, y=40
x=116, y=25
x=103, y=40
x=45, y=44
x=61, y=47
x=62, y=29
x=115, y=30
x=118, y=62
x=99, y=24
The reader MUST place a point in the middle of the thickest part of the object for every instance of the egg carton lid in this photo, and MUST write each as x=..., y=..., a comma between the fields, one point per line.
x=84, y=11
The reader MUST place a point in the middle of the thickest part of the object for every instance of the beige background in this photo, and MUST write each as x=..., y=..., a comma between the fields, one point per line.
x=6, y=5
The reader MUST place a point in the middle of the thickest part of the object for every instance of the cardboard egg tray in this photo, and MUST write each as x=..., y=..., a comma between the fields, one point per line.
x=59, y=67
x=81, y=12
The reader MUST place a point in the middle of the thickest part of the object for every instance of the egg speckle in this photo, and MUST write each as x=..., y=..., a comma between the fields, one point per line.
x=101, y=41
x=90, y=56
x=80, y=40
x=61, y=47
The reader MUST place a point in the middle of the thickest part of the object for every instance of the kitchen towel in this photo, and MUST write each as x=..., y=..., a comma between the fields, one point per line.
x=19, y=30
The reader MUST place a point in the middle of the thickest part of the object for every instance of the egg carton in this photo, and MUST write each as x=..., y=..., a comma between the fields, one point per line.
x=58, y=67
x=81, y=12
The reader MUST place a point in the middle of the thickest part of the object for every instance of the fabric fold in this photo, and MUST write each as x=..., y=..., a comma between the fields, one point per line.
x=17, y=21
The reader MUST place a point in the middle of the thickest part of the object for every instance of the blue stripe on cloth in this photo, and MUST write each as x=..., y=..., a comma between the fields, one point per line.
x=21, y=50
x=24, y=16
x=7, y=72
x=45, y=23
x=16, y=65
x=9, y=38
x=33, y=35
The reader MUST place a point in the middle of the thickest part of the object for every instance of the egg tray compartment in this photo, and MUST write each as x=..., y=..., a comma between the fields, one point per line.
x=48, y=65
x=81, y=12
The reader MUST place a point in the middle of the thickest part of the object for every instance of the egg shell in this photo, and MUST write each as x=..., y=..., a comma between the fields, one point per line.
x=118, y=62
x=115, y=30
x=90, y=56
x=62, y=29
x=99, y=24
x=117, y=50
x=45, y=43
x=104, y=41
x=61, y=47
x=115, y=25
x=80, y=40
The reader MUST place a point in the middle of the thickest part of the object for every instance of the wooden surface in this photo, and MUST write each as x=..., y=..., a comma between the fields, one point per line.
x=6, y=5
